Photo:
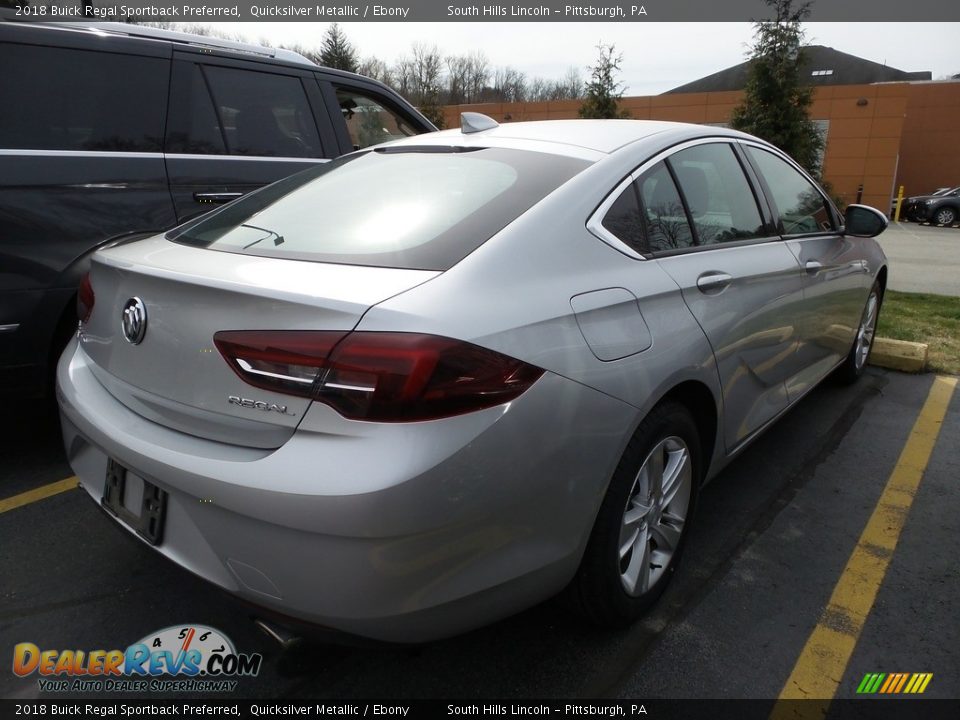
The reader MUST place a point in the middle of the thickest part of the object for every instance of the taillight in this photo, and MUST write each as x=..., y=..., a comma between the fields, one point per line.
x=378, y=376
x=85, y=299
x=280, y=360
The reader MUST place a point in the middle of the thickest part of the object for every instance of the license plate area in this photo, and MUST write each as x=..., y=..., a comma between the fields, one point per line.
x=136, y=501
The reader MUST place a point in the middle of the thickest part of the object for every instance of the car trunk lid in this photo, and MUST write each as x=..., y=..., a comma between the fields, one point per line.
x=174, y=374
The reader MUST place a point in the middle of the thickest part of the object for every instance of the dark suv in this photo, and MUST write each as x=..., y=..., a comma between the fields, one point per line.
x=942, y=207
x=109, y=131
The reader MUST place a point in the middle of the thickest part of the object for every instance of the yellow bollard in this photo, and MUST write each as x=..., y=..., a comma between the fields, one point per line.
x=896, y=214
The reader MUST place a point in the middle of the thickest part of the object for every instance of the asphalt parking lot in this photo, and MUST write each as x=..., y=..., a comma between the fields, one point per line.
x=772, y=597
x=923, y=258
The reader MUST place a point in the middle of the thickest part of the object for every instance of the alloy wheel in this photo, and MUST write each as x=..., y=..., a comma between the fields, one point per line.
x=654, y=515
x=867, y=329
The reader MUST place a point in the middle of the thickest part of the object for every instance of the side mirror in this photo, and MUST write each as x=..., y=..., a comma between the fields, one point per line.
x=864, y=221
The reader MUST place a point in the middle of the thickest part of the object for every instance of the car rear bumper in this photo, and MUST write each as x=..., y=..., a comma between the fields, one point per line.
x=399, y=532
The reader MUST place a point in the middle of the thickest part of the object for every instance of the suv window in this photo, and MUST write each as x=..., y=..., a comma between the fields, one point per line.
x=369, y=122
x=802, y=207
x=718, y=196
x=263, y=113
x=83, y=103
x=193, y=127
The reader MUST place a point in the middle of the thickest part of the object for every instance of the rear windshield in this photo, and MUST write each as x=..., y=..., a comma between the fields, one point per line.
x=405, y=207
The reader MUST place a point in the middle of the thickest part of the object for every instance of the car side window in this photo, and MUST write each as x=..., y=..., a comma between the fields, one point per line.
x=193, y=127
x=86, y=101
x=624, y=220
x=721, y=204
x=263, y=113
x=667, y=226
x=369, y=121
x=802, y=207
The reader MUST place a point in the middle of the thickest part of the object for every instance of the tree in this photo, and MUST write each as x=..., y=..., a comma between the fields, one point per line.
x=337, y=51
x=776, y=103
x=603, y=89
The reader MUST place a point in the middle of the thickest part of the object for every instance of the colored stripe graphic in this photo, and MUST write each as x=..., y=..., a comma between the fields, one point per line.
x=894, y=683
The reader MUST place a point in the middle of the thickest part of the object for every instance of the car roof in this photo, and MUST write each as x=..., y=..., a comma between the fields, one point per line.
x=200, y=41
x=569, y=137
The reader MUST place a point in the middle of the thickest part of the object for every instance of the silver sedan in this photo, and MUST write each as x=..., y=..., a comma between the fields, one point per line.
x=429, y=384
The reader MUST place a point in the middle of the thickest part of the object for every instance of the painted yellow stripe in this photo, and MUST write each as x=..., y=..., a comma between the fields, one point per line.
x=823, y=660
x=915, y=680
x=40, y=493
x=926, y=681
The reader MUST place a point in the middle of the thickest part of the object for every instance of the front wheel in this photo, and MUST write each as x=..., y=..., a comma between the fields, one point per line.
x=945, y=216
x=856, y=360
x=643, y=522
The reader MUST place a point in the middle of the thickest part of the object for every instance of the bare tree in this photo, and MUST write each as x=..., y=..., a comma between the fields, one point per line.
x=509, y=84
x=377, y=69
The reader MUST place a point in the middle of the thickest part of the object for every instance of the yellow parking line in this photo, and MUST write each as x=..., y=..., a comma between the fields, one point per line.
x=823, y=660
x=44, y=491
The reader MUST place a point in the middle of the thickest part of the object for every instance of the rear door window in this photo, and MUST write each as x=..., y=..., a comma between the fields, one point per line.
x=263, y=114
x=666, y=220
x=86, y=100
x=721, y=204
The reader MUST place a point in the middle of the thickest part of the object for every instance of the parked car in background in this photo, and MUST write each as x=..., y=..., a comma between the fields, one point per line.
x=435, y=382
x=941, y=207
x=113, y=130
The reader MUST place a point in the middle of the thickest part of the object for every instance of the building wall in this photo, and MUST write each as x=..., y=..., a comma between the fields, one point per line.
x=930, y=149
x=878, y=136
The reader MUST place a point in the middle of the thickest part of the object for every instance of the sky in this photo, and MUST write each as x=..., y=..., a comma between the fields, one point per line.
x=656, y=56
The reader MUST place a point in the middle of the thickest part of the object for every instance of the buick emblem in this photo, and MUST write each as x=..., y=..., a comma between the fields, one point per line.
x=134, y=320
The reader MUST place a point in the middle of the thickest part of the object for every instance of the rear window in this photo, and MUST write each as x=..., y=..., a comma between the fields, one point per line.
x=416, y=208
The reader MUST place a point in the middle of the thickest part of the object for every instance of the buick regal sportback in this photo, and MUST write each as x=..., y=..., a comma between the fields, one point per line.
x=434, y=382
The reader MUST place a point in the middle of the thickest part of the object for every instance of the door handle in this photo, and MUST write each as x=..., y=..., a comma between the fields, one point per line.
x=713, y=282
x=813, y=267
x=216, y=198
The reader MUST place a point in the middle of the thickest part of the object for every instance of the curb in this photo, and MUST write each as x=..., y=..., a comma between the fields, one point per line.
x=899, y=355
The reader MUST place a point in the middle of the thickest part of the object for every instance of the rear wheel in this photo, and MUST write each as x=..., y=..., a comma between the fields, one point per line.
x=856, y=361
x=643, y=522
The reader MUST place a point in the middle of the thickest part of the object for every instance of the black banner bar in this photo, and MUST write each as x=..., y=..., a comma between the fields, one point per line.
x=874, y=708
x=465, y=11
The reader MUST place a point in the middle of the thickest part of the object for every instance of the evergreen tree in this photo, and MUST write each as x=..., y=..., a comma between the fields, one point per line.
x=337, y=51
x=603, y=89
x=776, y=103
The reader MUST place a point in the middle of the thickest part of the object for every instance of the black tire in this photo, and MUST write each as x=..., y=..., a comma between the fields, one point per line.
x=856, y=361
x=599, y=592
x=944, y=216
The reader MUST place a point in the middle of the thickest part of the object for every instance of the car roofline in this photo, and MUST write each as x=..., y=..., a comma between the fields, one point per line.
x=181, y=38
x=518, y=136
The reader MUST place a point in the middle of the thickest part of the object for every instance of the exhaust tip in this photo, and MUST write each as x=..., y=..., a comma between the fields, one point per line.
x=284, y=637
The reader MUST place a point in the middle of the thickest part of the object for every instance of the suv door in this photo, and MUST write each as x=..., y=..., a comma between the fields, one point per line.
x=80, y=163
x=836, y=279
x=236, y=125
x=706, y=229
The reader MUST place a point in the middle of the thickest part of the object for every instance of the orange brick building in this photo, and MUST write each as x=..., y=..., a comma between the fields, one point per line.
x=879, y=135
